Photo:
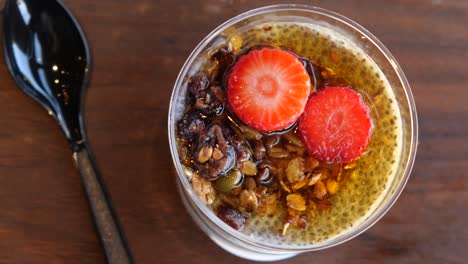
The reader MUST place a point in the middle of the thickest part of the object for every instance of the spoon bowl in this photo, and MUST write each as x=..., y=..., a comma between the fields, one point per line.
x=49, y=59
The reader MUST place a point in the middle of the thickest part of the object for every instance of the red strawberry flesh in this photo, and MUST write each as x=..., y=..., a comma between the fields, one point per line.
x=336, y=125
x=267, y=89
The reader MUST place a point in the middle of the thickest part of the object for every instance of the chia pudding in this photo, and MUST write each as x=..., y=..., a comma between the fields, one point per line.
x=268, y=183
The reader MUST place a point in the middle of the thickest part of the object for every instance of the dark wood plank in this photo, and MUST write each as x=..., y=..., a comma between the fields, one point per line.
x=139, y=47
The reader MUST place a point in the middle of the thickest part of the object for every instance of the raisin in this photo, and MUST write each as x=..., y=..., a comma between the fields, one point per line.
x=198, y=84
x=233, y=217
x=190, y=125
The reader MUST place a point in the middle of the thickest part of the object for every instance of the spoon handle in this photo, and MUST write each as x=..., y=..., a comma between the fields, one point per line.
x=110, y=235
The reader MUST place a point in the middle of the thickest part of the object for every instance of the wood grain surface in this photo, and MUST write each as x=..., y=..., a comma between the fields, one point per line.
x=139, y=47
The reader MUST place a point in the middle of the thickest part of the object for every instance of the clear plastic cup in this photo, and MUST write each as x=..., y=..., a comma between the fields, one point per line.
x=249, y=247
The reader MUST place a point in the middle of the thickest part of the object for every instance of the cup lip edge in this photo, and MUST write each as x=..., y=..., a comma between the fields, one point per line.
x=367, y=223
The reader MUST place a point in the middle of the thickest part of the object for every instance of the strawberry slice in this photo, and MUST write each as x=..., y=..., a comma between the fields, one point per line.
x=267, y=89
x=336, y=125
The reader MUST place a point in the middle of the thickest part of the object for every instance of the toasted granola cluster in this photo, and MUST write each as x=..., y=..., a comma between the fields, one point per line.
x=239, y=171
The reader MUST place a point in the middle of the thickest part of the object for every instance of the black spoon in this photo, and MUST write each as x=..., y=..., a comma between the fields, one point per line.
x=49, y=58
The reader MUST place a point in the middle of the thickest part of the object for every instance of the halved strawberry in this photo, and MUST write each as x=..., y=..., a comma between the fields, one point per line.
x=336, y=125
x=267, y=89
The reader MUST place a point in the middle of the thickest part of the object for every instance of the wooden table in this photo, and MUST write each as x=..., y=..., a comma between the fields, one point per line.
x=139, y=47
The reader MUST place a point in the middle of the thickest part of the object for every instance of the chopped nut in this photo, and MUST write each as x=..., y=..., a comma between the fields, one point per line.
x=229, y=199
x=284, y=186
x=299, y=221
x=210, y=198
x=320, y=190
x=200, y=104
x=295, y=170
x=203, y=189
x=315, y=176
x=327, y=73
x=205, y=153
x=185, y=155
x=217, y=154
x=310, y=163
x=296, y=202
x=285, y=228
x=268, y=205
x=340, y=175
x=188, y=172
x=215, y=136
x=236, y=190
x=350, y=166
x=243, y=154
x=298, y=185
x=324, y=173
x=250, y=184
x=235, y=43
x=291, y=215
x=248, y=200
x=292, y=148
x=278, y=153
x=332, y=186
x=292, y=138
x=249, y=168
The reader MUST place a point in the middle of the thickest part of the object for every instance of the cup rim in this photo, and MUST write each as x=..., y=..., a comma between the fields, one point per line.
x=372, y=219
